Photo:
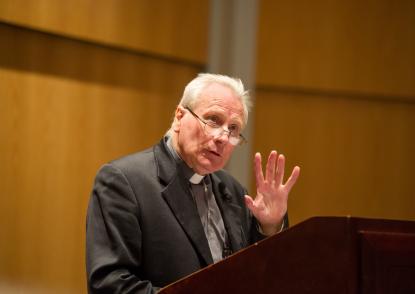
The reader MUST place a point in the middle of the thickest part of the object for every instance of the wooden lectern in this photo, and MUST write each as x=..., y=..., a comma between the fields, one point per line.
x=321, y=255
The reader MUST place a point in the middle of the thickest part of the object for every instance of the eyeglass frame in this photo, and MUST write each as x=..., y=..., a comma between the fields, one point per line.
x=241, y=138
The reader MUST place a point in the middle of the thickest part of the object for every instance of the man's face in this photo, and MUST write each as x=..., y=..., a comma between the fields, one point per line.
x=202, y=152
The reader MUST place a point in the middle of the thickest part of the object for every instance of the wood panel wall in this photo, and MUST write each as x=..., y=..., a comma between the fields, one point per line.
x=85, y=82
x=165, y=27
x=77, y=90
x=336, y=94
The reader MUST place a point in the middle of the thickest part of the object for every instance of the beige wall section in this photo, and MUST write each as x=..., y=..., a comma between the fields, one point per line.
x=336, y=94
x=357, y=155
x=67, y=107
x=358, y=46
x=175, y=28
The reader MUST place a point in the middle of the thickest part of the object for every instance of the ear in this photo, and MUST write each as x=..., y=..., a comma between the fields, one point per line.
x=178, y=115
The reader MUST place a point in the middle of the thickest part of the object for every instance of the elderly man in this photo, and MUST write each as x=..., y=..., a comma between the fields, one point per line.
x=163, y=213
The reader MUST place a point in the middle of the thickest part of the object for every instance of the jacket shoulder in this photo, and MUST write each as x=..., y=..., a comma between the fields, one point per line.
x=134, y=159
x=135, y=166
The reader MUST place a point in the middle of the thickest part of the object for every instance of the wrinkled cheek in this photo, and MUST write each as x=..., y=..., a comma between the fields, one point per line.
x=227, y=154
x=217, y=162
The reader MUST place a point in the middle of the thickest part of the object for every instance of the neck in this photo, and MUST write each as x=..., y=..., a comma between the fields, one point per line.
x=176, y=147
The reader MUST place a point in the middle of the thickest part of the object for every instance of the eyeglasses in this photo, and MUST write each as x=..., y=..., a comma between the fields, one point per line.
x=216, y=130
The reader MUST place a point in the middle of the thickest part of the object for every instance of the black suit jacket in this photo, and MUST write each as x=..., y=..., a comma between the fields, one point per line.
x=143, y=227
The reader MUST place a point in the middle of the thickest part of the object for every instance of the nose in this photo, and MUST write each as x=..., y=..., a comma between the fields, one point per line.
x=222, y=136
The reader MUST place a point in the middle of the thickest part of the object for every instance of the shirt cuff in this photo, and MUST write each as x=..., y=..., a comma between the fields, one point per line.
x=262, y=232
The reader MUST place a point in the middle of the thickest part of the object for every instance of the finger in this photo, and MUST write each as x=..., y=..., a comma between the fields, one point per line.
x=279, y=176
x=293, y=178
x=270, y=168
x=259, y=176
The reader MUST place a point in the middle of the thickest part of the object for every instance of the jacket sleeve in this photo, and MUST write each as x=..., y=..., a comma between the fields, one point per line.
x=113, y=237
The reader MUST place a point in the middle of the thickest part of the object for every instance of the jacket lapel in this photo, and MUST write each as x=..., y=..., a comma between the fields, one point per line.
x=231, y=212
x=178, y=197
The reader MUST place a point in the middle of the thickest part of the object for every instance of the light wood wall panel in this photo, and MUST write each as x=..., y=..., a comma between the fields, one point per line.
x=353, y=46
x=356, y=155
x=174, y=28
x=67, y=107
x=336, y=94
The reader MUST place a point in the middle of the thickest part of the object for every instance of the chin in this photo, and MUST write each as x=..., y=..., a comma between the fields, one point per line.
x=207, y=167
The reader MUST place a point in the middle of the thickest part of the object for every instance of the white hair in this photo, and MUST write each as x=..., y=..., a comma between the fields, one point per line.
x=191, y=93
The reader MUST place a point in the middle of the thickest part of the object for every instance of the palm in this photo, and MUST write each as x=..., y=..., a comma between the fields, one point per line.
x=270, y=204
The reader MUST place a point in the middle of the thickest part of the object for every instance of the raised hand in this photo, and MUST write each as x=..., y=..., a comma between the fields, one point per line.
x=270, y=204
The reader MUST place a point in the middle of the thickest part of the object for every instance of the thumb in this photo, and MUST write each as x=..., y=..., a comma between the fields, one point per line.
x=249, y=202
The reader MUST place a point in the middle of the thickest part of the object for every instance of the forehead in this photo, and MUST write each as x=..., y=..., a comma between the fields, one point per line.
x=221, y=98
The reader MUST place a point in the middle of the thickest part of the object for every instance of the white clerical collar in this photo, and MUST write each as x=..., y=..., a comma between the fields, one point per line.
x=196, y=179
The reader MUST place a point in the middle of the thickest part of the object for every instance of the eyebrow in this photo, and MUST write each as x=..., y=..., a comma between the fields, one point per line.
x=220, y=114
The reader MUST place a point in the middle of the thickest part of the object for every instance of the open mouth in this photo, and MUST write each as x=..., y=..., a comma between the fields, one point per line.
x=215, y=153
